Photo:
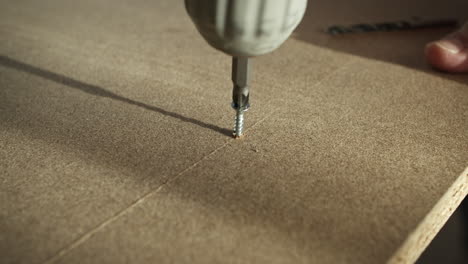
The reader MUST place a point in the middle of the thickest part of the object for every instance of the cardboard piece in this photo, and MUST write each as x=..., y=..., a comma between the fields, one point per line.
x=115, y=147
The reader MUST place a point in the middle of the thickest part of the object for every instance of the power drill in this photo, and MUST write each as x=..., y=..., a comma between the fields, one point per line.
x=244, y=29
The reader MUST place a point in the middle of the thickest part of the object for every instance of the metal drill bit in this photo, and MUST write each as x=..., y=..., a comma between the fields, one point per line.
x=240, y=92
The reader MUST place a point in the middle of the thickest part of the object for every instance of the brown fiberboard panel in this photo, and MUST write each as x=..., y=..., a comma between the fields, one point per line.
x=115, y=148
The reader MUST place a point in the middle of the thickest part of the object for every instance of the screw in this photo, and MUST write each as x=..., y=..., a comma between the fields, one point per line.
x=239, y=124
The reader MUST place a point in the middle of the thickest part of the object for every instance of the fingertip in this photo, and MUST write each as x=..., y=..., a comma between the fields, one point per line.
x=448, y=55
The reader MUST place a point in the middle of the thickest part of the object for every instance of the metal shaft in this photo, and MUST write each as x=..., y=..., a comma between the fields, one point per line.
x=240, y=92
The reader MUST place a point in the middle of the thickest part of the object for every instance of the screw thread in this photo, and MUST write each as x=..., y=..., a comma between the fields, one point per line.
x=239, y=123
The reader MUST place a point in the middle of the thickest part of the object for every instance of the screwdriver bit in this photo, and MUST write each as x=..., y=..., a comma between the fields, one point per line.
x=240, y=93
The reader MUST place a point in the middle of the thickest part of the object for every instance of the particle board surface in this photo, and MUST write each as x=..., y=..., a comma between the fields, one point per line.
x=115, y=147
